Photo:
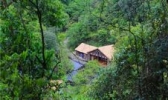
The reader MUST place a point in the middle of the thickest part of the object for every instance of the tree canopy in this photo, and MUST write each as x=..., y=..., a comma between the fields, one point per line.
x=37, y=36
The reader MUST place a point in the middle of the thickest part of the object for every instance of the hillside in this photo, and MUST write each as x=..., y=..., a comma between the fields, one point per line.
x=38, y=38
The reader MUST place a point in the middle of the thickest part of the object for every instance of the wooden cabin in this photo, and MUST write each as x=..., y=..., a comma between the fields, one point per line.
x=103, y=54
x=83, y=49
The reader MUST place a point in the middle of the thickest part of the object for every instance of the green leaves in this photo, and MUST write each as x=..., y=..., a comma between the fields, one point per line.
x=87, y=74
x=21, y=70
x=54, y=13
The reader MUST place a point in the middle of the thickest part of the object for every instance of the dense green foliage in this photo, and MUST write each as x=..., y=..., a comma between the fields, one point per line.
x=28, y=61
x=138, y=28
x=82, y=82
x=36, y=35
x=87, y=26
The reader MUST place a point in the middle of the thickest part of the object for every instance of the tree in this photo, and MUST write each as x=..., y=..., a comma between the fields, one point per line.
x=139, y=72
x=26, y=66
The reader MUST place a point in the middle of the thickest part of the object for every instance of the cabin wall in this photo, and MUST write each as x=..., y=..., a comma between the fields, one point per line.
x=99, y=56
x=82, y=55
x=88, y=57
x=85, y=56
x=94, y=55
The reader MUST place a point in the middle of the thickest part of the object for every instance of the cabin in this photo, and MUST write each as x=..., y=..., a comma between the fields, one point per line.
x=83, y=49
x=103, y=54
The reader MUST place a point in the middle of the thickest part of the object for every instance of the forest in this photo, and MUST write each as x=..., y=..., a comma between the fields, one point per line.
x=38, y=36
